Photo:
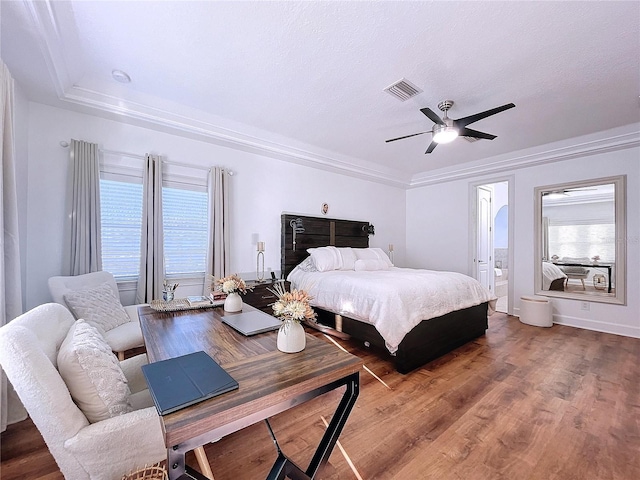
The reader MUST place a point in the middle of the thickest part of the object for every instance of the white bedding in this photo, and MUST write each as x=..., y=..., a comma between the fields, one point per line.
x=393, y=300
x=550, y=272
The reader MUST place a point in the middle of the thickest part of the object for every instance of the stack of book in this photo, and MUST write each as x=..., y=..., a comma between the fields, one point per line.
x=199, y=301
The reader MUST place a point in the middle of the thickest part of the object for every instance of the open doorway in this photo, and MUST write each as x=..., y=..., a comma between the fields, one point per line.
x=492, y=231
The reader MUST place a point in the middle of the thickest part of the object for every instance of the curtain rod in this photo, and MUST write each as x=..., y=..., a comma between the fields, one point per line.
x=142, y=157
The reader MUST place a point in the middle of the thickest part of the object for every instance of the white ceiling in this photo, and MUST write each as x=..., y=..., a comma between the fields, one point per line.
x=304, y=81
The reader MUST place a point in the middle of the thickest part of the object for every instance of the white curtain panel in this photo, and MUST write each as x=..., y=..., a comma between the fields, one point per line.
x=86, y=250
x=218, y=257
x=11, y=410
x=545, y=238
x=151, y=245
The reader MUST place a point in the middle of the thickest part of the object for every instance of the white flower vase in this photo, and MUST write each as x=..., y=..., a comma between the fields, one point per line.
x=291, y=337
x=233, y=303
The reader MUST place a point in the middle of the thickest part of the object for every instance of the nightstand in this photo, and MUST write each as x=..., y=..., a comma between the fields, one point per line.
x=260, y=297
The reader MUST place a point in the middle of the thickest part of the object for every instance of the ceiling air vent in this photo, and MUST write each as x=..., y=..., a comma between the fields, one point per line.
x=403, y=89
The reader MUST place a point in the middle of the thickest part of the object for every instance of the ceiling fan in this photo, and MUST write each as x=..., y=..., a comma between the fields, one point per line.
x=557, y=194
x=448, y=129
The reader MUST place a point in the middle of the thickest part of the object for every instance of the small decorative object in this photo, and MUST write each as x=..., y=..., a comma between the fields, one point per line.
x=595, y=258
x=325, y=208
x=260, y=262
x=599, y=281
x=292, y=308
x=555, y=258
x=168, y=290
x=233, y=286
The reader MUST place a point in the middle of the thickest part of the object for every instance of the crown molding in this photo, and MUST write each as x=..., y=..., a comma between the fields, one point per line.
x=206, y=131
x=510, y=163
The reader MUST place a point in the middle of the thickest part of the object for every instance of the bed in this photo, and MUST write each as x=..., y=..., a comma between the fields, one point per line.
x=553, y=278
x=428, y=339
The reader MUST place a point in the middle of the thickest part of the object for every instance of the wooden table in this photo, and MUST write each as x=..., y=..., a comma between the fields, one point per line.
x=269, y=381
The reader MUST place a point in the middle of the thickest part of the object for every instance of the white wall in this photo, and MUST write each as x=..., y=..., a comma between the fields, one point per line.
x=262, y=188
x=438, y=233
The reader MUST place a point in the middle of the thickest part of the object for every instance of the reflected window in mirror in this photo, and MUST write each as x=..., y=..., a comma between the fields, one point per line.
x=578, y=252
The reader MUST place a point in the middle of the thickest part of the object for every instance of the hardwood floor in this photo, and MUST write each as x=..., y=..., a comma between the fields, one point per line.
x=521, y=402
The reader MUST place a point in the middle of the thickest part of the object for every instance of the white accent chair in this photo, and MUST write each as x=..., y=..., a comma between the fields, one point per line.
x=122, y=338
x=577, y=272
x=105, y=450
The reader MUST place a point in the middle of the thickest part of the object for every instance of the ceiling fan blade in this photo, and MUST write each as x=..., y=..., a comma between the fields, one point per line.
x=432, y=145
x=463, y=122
x=406, y=136
x=468, y=132
x=433, y=116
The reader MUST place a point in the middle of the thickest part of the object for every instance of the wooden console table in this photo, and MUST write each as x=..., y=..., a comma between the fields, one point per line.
x=270, y=382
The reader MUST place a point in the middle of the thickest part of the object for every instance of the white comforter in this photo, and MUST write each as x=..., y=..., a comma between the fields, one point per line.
x=393, y=300
x=550, y=272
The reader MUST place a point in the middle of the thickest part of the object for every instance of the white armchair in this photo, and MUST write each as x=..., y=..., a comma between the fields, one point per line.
x=576, y=272
x=121, y=338
x=105, y=450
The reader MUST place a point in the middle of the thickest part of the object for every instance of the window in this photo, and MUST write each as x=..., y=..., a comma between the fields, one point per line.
x=185, y=222
x=121, y=212
x=583, y=241
x=185, y=228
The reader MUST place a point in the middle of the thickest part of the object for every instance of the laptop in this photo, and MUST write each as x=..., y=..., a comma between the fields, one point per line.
x=252, y=322
x=182, y=381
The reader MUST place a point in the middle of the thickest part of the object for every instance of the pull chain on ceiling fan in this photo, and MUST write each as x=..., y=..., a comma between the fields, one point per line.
x=447, y=129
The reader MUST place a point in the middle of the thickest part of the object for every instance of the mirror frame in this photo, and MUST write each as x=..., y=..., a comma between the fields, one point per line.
x=620, y=199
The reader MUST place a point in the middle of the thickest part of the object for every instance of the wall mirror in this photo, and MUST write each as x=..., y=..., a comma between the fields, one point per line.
x=580, y=240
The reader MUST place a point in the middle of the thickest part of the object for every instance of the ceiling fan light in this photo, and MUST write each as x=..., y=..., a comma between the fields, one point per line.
x=444, y=133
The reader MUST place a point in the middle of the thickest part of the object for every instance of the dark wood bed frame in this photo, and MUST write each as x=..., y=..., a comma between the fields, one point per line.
x=429, y=340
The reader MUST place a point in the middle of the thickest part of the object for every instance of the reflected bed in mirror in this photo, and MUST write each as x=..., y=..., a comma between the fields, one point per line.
x=580, y=248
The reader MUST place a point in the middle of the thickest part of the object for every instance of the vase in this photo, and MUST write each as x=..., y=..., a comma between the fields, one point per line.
x=233, y=303
x=291, y=337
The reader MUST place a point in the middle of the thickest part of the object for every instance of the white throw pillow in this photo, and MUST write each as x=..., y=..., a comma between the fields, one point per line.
x=362, y=265
x=348, y=258
x=326, y=258
x=99, y=306
x=365, y=254
x=373, y=253
x=93, y=374
x=382, y=256
x=307, y=265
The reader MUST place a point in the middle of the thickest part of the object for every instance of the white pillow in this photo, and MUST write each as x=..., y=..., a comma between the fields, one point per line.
x=362, y=265
x=326, y=258
x=382, y=256
x=93, y=374
x=348, y=258
x=307, y=265
x=98, y=306
x=365, y=254
x=373, y=253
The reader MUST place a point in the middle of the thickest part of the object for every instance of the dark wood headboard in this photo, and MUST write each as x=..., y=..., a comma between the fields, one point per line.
x=318, y=232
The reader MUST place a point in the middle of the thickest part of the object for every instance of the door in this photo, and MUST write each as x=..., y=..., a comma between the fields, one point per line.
x=484, y=244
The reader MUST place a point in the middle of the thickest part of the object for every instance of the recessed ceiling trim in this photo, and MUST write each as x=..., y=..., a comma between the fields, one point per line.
x=208, y=132
x=403, y=90
x=49, y=41
x=609, y=144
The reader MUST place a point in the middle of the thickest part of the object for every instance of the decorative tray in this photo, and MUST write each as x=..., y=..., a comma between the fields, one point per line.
x=181, y=304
